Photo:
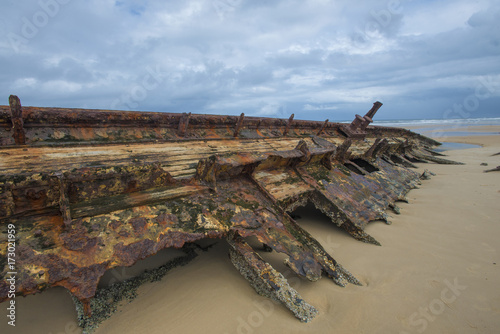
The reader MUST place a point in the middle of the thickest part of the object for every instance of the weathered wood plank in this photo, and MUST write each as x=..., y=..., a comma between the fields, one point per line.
x=105, y=205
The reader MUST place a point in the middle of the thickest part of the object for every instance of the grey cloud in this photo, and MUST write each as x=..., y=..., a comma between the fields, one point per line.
x=318, y=59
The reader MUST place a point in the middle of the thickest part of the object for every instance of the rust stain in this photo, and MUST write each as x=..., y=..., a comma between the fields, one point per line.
x=90, y=190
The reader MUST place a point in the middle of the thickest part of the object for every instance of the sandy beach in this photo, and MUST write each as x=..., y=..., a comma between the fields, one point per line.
x=437, y=271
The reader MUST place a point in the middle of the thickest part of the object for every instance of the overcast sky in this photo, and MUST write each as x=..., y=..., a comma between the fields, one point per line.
x=318, y=59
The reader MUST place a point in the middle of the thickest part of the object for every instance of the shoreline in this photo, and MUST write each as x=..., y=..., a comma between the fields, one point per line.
x=437, y=271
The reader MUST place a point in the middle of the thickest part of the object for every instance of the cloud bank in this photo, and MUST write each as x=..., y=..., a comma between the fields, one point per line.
x=317, y=59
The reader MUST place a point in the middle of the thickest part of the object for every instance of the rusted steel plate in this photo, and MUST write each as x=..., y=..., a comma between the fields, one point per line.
x=90, y=190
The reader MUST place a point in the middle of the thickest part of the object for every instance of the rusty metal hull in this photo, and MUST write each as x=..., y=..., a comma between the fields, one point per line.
x=87, y=191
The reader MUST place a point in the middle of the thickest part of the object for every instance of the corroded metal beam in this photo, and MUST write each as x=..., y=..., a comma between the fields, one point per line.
x=288, y=125
x=357, y=128
x=16, y=112
x=266, y=280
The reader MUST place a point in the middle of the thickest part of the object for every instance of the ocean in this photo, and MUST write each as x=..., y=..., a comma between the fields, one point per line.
x=443, y=128
x=445, y=123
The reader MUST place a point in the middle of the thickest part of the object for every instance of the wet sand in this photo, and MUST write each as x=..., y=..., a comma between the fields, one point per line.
x=437, y=271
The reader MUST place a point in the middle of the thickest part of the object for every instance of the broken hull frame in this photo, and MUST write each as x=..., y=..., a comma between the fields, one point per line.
x=91, y=190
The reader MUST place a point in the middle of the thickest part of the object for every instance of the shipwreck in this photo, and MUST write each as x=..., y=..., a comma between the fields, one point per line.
x=83, y=191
